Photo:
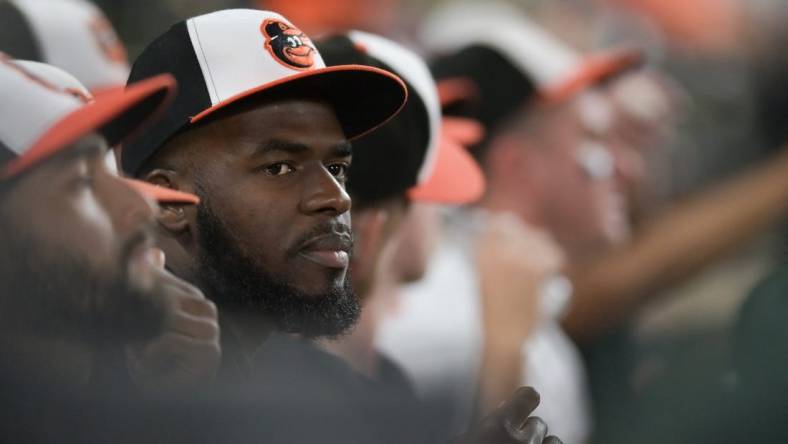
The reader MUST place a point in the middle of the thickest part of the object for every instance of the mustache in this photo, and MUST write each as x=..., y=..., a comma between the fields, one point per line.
x=331, y=228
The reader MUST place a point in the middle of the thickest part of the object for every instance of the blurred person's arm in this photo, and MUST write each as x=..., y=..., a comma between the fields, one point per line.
x=512, y=262
x=674, y=246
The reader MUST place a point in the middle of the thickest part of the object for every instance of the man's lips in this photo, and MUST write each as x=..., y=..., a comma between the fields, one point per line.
x=329, y=250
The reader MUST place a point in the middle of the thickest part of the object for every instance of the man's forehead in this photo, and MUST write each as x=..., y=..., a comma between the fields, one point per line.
x=301, y=115
x=298, y=147
x=311, y=124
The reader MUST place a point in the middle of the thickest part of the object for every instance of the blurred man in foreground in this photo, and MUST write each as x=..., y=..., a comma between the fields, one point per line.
x=80, y=292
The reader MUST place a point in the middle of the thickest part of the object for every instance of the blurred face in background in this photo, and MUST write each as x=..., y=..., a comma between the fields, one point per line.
x=579, y=195
x=643, y=125
x=76, y=260
x=416, y=239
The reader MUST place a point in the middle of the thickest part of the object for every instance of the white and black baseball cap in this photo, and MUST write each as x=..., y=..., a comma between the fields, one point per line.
x=49, y=108
x=410, y=153
x=490, y=60
x=44, y=110
x=556, y=70
x=73, y=35
x=230, y=55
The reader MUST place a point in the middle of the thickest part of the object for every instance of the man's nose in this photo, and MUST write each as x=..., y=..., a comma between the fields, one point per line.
x=324, y=194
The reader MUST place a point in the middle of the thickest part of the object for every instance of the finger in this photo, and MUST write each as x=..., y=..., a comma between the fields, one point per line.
x=173, y=347
x=194, y=327
x=533, y=432
x=157, y=257
x=522, y=403
x=173, y=283
x=201, y=308
x=176, y=355
x=552, y=440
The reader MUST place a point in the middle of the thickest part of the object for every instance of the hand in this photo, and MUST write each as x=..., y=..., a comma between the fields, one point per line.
x=511, y=423
x=513, y=261
x=187, y=352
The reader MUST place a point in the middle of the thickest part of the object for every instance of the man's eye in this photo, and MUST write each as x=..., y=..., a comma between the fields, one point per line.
x=338, y=170
x=279, y=169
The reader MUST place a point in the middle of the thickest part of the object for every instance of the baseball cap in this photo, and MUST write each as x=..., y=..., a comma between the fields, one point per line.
x=71, y=34
x=63, y=81
x=231, y=55
x=44, y=110
x=411, y=152
x=493, y=54
x=456, y=177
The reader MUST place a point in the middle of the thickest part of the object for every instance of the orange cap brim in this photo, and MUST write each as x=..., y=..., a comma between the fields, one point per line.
x=465, y=131
x=162, y=194
x=106, y=107
x=456, y=178
x=456, y=89
x=594, y=70
x=351, y=75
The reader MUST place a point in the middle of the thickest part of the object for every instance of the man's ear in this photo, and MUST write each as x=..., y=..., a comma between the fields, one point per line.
x=172, y=217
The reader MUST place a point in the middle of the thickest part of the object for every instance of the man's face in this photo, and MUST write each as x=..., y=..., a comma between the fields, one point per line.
x=274, y=225
x=583, y=202
x=76, y=243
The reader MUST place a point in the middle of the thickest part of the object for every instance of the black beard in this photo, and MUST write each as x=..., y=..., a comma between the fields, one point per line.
x=58, y=294
x=235, y=283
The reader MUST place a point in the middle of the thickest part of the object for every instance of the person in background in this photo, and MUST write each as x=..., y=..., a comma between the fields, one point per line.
x=552, y=197
x=423, y=163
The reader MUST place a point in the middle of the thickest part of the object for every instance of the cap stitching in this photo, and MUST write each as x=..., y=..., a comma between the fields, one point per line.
x=207, y=64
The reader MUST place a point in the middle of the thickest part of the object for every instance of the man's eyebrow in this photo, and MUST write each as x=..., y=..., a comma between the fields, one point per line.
x=276, y=145
x=343, y=149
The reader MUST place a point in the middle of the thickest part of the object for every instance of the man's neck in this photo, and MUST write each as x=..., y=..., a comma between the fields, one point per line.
x=249, y=330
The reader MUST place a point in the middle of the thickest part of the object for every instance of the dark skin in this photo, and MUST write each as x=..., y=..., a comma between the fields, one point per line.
x=274, y=172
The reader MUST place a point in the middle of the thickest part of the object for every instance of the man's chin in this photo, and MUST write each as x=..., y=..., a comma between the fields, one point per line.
x=325, y=288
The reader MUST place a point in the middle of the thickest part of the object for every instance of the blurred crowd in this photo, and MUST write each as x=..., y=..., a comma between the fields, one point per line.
x=399, y=221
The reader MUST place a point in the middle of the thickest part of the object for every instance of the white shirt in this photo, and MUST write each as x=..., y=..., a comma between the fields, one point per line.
x=436, y=335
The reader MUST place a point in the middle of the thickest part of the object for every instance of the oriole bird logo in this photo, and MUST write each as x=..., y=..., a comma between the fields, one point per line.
x=288, y=44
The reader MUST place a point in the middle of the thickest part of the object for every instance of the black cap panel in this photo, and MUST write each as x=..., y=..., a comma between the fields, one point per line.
x=172, y=53
x=502, y=88
x=17, y=38
x=399, y=146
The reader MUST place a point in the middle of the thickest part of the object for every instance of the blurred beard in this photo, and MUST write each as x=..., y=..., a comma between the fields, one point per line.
x=57, y=294
x=235, y=283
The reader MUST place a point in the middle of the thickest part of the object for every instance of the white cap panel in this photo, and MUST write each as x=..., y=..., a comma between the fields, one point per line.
x=29, y=106
x=544, y=58
x=220, y=52
x=55, y=77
